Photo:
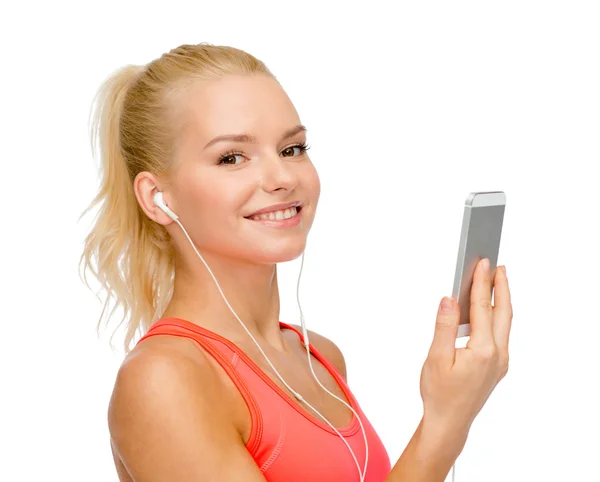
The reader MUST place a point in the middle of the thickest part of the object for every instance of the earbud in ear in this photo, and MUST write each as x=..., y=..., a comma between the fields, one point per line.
x=158, y=200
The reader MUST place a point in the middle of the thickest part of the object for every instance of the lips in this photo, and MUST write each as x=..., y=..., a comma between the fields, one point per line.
x=277, y=207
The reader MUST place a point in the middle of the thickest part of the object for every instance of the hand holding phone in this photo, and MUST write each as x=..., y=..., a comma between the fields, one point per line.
x=456, y=382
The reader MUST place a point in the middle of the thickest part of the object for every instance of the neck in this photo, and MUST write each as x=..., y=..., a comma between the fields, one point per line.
x=250, y=289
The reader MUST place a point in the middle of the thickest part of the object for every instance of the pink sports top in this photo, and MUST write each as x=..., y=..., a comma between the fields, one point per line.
x=287, y=443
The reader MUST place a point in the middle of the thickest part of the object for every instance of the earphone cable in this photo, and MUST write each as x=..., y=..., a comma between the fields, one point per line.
x=307, y=346
x=296, y=394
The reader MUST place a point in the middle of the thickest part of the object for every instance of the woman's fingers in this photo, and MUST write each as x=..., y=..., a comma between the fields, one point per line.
x=456, y=383
x=481, y=313
x=446, y=329
x=502, y=312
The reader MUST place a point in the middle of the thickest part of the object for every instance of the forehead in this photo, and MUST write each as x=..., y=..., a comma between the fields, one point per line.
x=254, y=104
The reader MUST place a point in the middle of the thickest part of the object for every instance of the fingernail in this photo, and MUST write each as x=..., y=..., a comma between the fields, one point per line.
x=447, y=306
x=485, y=265
x=504, y=270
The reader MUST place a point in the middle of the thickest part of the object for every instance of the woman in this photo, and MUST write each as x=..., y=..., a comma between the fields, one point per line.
x=206, y=186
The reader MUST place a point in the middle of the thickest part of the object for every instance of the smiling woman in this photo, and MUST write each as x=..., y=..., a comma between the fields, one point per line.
x=212, y=131
x=204, y=158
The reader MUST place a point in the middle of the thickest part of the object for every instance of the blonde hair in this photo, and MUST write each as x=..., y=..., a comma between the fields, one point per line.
x=133, y=130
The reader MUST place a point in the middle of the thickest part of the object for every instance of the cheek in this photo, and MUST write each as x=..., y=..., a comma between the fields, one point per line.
x=218, y=201
x=312, y=184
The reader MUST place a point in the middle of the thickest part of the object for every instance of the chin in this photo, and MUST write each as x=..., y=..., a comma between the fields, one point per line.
x=289, y=256
x=281, y=255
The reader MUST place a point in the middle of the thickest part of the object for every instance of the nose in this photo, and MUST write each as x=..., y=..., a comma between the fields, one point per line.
x=278, y=173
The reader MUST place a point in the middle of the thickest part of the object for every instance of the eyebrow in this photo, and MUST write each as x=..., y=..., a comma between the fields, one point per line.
x=248, y=138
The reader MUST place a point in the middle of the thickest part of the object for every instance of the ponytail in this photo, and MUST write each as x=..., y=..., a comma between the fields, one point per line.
x=126, y=252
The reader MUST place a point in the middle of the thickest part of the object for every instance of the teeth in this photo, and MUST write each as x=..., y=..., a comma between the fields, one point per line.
x=276, y=215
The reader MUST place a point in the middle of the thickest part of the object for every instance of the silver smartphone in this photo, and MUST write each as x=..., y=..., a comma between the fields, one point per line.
x=479, y=238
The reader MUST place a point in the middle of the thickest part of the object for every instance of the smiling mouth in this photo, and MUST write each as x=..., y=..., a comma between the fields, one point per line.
x=276, y=215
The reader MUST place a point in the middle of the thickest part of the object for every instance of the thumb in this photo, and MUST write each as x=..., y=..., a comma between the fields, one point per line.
x=446, y=329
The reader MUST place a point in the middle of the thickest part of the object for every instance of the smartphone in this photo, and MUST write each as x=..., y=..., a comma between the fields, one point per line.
x=479, y=238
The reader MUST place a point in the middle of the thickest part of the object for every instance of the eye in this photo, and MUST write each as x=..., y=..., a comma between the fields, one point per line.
x=299, y=149
x=230, y=158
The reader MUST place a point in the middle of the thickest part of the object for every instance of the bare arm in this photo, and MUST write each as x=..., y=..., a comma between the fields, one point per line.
x=169, y=423
x=430, y=454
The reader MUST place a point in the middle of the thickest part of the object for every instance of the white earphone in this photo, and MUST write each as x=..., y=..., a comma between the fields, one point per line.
x=158, y=201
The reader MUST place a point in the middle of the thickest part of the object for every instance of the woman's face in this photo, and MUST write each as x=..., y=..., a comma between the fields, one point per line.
x=242, y=151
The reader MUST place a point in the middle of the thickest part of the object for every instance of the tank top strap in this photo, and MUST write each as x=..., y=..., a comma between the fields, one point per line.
x=324, y=361
x=224, y=353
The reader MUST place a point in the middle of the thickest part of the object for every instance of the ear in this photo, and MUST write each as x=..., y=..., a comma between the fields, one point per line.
x=145, y=186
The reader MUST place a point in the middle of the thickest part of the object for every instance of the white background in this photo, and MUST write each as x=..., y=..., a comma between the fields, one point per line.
x=410, y=106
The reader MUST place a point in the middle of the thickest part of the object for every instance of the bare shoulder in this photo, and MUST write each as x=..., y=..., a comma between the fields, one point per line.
x=159, y=372
x=327, y=348
x=169, y=418
x=160, y=359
